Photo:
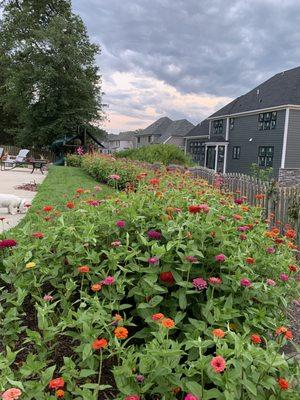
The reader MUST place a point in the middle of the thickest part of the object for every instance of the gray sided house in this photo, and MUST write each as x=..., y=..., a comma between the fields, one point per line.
x=262, y=127
x=163, y=131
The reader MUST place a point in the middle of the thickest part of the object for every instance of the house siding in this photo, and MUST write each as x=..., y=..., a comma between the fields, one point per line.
x=292, y=158
x=245, y=128
x=177, y=141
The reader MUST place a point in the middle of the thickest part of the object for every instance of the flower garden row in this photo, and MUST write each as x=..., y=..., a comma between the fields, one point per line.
x=168, y=290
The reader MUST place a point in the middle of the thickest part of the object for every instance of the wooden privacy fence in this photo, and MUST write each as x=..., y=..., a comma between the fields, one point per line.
x=282, y=202
x=35, y=153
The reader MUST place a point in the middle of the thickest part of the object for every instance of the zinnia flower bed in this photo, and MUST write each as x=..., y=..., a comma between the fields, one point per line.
x=169, y=291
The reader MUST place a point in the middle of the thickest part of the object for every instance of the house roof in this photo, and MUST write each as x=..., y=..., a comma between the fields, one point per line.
x=201, y=129
x=177, y=128
x=281, y=89
x=156, y=128
x=129, y=135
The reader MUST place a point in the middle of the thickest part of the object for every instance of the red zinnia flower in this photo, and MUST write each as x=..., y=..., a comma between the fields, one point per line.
x=56, y=383
x=7, y=243
x=215, y=281
x=197, y=208
x=283, y=383
x=99, y=344
x=293, y=268
x=291, y=234
x=218, y=364
x=70, y=204
x=157, y=317
x=250, y=260
x=38, y=235
x=167, y=277
x=255, y=339
x=218, y=333
x=48, y=208
x=154, y=181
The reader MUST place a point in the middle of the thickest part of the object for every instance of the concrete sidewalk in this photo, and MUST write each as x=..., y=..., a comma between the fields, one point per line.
x=8, y=181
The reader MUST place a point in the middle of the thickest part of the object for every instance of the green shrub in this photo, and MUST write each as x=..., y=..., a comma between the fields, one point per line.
x=171, y=276
x=74, y=160
x=161, y=153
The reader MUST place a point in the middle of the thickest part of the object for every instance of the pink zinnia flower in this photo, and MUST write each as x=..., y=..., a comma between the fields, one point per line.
x=153, y=260
x=270, y=250
x=116, y=243
x=5, y=243
x=218, y=364
x=11, y=394
x=191, y=259
x=222, y=218
x=110, y=280
x=284, y=277
x=191, y=396
x=132, y=397
x=152, y=234
x=94, y=203
x=270, y=282
x=220, y=257
x=215, y=281
x=120, y=223
x=243, y=228
x=97, y=188
x=115, y=177
x=48, y=297
x=199, y=284
x=245, y=282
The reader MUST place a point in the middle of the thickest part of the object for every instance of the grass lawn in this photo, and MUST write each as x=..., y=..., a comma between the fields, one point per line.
x=60, y=186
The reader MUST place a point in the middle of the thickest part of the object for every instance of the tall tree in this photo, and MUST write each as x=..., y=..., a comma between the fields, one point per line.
x=52, y=81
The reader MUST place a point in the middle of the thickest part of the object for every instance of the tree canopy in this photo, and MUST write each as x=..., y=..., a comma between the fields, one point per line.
x=50, y=83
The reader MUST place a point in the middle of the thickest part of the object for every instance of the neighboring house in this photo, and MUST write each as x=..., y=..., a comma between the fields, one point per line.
x=164, y=130
x=122, y=141
x=262, y=127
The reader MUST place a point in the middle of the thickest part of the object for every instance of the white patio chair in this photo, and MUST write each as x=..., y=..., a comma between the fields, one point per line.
x=14, y=161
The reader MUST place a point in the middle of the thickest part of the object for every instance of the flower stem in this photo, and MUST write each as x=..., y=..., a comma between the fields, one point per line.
x=99, y=374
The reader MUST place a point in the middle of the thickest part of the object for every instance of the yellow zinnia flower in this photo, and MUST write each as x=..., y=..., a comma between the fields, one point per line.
x=30, y=265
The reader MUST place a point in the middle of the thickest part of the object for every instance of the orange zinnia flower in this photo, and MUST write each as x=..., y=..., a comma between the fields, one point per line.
x=59, y=393
x=96, y=287
x=218, y=333
x=79, y=190
x=99, y=344
x=255, y=339
x=168, y=323
x=121, y=332
x=48, y=208
x=83, y=269
x=70, y=204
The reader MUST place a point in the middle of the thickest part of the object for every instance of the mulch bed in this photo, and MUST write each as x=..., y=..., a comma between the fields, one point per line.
x=31, y=187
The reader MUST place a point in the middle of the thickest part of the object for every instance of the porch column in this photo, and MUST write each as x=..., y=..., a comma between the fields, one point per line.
x=225, y=159
x=216, y=158
x=205, y=155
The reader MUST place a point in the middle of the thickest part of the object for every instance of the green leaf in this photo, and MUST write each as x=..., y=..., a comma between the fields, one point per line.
x=17, y=384
x=250, y=386
x=194, y=388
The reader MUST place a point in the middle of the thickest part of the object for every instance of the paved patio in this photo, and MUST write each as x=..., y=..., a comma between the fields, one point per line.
x=8, y=181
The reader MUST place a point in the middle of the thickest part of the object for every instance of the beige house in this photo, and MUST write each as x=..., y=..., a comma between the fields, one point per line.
x=163, y=131
x=122, y=141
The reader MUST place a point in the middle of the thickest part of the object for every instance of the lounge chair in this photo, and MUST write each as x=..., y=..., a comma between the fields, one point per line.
x=14, y=161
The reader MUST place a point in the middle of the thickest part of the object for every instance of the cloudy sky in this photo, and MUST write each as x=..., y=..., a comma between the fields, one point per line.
x=186, y=58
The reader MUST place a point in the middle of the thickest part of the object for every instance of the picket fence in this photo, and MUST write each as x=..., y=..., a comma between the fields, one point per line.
x=35, y=153
x=282, y=204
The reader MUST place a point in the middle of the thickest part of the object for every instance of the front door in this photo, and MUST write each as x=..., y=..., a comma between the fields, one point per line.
x=210, y=157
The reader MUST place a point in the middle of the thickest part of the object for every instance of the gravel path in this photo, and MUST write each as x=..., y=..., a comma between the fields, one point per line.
x=11, y=179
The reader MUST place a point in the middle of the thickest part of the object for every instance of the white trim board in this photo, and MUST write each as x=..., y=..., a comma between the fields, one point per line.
x=285, y=135
x=258, y=111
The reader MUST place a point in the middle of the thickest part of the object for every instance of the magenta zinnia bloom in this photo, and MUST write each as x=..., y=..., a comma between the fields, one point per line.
x=153, y=260
x=110, y=280
x=218, y=364
x=270, y=282
x=5, y=243
x=220, y=257
x=245, y=282
x=191, y=396
x=243, y=228
x=199, y=284
x=94, y=203
x=48, y=297
x=270, y=250
x=152, y=234
x=120, y=223
x=284, y=277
